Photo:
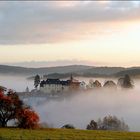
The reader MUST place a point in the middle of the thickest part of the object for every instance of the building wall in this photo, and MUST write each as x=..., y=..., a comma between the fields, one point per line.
x=54, y=88
x=75, y=86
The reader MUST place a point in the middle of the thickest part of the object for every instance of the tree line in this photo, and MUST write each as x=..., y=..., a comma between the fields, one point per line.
x=107, y=123
x=123, y=82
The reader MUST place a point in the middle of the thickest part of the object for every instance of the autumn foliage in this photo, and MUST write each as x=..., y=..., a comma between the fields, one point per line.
x=12, y=108
x=27, y=119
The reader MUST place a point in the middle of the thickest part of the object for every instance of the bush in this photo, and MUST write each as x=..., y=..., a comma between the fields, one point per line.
x=68, y=126
x=27, y=118
x=92, y=125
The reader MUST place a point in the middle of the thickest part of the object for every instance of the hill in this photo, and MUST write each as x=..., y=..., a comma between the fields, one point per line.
x=13, y=70
x=103, y=70
x=65, y=134
x=66, y=71
x=131, y=71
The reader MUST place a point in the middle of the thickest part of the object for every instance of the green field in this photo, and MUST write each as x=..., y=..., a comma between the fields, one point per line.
x=65, y=134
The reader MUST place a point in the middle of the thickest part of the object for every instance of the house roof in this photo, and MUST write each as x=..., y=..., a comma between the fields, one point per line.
x=55, y=82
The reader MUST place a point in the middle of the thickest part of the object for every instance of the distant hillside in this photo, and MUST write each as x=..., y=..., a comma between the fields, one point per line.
x=103, y=70
x=66, y=71
x=132, y=72
x=100, y=72
x=13, y=70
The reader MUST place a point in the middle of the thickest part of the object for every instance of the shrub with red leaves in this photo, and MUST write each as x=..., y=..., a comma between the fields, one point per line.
x=27, y=118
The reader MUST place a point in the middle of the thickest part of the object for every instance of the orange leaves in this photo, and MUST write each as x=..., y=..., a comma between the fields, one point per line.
x=1, y=95
x=28, y=119
x=11, y=107
x=5, y=100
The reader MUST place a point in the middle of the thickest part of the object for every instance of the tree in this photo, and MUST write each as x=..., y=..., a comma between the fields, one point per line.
x=10, y=104
x=27, y=89
x=12, y=108
x=36, y=81
x=91, y=83
x=27, y=118
x=92, y=125
x=97, y=84
x=125, y=82
x=110, y=84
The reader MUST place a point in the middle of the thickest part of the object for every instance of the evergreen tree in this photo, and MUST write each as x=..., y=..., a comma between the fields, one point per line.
x=27, y=89
x=125, y=82
x=36, y=81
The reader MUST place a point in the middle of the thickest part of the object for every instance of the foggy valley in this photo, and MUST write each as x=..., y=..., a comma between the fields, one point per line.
x=70, y=70
x=82, y=107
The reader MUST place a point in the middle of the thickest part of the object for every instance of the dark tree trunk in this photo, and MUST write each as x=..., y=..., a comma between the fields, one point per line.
x=3, y=123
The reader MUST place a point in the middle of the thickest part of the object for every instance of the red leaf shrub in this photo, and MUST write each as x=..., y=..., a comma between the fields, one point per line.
x=27, y=118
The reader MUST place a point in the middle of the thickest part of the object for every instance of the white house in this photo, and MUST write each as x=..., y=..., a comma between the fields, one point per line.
x=59, y=86
x=54, y=86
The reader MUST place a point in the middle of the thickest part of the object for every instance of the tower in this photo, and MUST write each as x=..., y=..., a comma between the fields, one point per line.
x=71, y=78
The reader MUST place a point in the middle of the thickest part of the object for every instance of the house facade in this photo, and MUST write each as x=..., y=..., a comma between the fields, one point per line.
x=58, y=86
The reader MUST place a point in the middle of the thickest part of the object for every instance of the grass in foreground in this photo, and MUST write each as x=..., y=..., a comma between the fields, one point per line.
x=65, y=134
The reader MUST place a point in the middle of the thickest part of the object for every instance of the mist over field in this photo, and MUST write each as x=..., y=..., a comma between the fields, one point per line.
x=80, y=108
x=18, y=83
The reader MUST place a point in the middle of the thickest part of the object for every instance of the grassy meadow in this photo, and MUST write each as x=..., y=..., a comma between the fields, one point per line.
x=65, y=134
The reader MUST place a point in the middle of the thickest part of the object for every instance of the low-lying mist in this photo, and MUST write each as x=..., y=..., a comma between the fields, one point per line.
x=18, y=83
x=80, y=108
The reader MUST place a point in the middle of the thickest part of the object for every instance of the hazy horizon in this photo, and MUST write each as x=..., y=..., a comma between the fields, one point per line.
x=99, y=33
x=81, y=108
x=41, y=64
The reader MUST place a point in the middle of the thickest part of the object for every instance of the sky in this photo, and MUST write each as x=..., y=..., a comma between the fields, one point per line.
x=52, y=33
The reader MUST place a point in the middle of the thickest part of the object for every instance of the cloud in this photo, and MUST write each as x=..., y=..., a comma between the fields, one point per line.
x=34, y=22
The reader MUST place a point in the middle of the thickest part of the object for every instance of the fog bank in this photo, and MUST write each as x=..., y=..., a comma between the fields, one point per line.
x=80, y=108
x=83, y=107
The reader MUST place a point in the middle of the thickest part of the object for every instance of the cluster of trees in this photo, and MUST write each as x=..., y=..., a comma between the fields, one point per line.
x=13, y=109
x=124, y=82
x=108, y=123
